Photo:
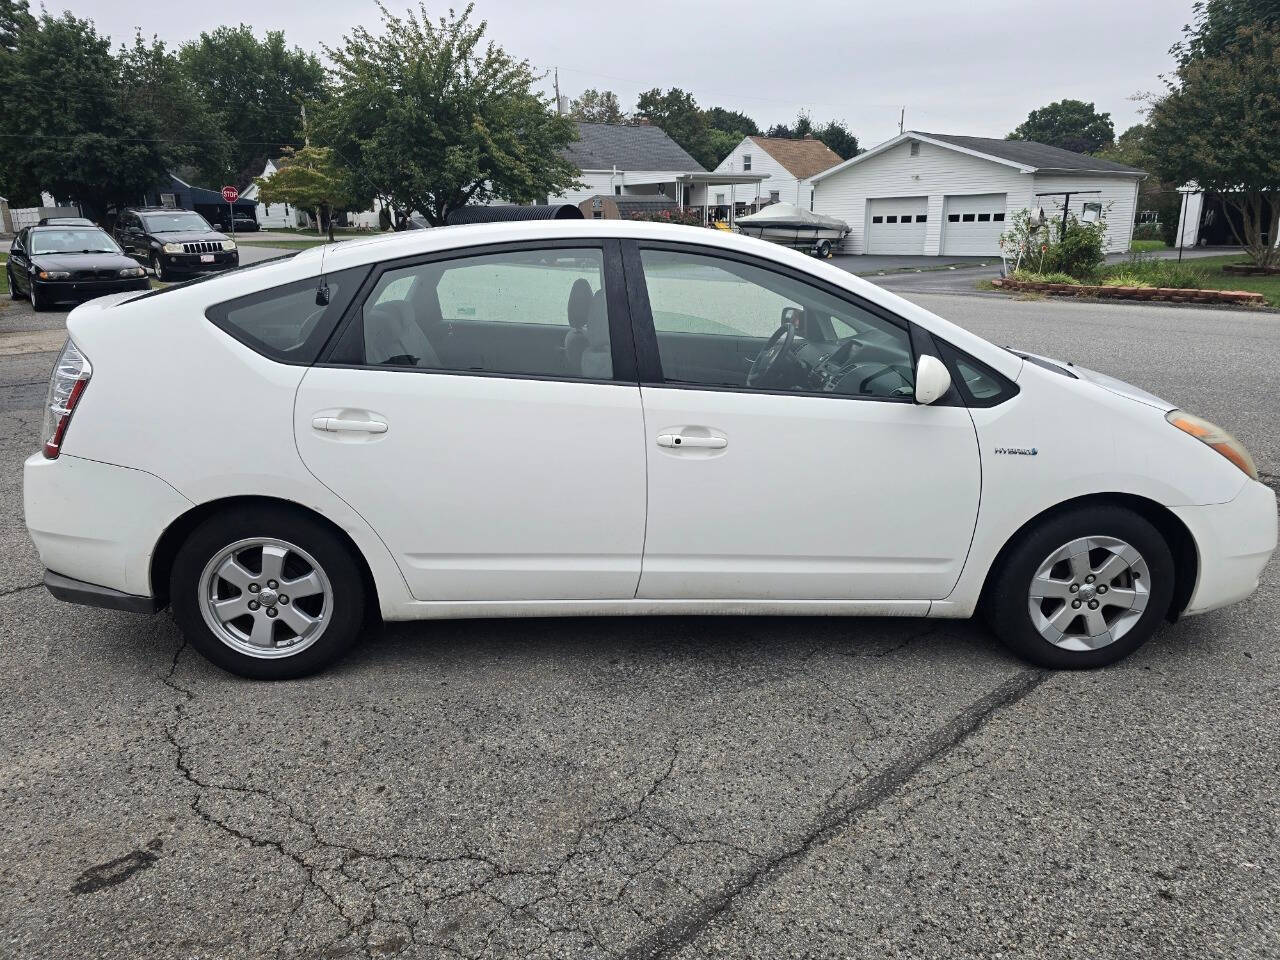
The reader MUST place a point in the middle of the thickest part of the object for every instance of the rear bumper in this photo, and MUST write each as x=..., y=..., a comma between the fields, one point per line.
x=96, y=523
x=1235, y=540
x=92, y=595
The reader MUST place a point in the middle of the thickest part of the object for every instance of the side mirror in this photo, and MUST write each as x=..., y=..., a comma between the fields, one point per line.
x=933, y=380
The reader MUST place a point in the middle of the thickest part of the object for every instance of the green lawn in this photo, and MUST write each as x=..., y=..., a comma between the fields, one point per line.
x=289, y=244
x=1268, y=286
x=1147, y=246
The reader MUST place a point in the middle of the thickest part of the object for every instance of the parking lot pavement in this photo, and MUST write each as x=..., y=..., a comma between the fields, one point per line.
x=671, y=787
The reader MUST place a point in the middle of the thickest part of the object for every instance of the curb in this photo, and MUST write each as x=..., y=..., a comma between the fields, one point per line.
x=1165, y=294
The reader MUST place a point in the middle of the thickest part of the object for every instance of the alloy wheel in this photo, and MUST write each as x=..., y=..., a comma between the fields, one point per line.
x=265, y=597
x=1089, y=593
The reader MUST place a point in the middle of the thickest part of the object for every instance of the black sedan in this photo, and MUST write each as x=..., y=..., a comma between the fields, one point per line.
x=53, y=264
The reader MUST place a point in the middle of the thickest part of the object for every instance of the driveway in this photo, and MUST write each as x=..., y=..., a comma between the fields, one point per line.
x=642, y=788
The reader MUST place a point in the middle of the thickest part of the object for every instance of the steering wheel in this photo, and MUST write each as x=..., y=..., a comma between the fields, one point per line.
x=768, y=362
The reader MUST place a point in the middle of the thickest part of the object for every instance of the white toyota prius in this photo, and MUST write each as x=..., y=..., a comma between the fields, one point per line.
x=602, y=417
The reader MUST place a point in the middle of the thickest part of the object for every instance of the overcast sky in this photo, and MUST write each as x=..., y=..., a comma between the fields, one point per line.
x=974, y=67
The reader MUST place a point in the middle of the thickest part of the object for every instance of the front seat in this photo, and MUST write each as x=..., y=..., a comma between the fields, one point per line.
x=393, y=338
x=597, y=362
x=575, y=341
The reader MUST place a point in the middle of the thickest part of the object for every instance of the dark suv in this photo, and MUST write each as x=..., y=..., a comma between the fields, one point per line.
x=176, y=244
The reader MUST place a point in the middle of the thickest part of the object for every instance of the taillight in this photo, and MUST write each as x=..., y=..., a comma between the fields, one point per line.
x=70, y=377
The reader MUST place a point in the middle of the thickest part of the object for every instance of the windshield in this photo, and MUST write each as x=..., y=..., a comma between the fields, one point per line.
x=72, y=240
x=174, y=222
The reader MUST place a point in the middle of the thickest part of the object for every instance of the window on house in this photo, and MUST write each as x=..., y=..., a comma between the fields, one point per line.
x=773, y=196
x=967, y=218
x=877, y=219
x=746, y=161
x=891, y=219
x=922, y=218
x=984, y=218
x=953, y=218
x=617, y=189
x=997, y=217
x=1092, y=212
x=915, y=148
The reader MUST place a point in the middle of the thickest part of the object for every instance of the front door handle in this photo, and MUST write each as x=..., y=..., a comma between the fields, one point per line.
x=677, y=440
x=339, y=425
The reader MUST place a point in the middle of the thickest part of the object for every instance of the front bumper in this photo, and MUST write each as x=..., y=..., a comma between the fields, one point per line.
x=191, y=263
x=55, y=291
x=97, y=523
x=1235, y=540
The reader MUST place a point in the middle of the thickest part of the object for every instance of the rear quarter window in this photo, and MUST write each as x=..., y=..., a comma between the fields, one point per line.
x=286, y=323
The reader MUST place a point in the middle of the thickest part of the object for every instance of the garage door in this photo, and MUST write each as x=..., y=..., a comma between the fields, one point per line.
x=896, y=224
x=971, y=225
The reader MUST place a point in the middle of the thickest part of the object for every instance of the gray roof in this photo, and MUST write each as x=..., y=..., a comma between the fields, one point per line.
x=602, y=146
x=1032, y=154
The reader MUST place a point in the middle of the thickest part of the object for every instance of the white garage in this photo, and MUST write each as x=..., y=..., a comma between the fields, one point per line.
x=937, y=194
x=897, y=225
x=972, y=224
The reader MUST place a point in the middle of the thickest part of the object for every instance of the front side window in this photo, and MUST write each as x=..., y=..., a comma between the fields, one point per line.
x=535, y=313
x=725, y=323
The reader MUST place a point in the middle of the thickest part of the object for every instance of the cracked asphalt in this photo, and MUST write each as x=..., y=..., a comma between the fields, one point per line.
x=644, y=788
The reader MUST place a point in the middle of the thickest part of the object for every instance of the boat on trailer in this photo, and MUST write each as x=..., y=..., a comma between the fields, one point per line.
x=792, y=226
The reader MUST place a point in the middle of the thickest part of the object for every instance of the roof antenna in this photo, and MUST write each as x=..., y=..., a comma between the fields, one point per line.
x=322, y=291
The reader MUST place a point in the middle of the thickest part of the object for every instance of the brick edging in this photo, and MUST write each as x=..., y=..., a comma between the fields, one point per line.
x=1171, y=294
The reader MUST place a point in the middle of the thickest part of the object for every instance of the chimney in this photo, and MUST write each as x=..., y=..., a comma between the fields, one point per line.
x=808, y=136
x=642, y=121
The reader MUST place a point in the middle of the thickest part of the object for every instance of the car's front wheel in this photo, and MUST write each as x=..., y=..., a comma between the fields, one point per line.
x=38, y=302
x=267, y=594
x=13, y=287
x=1083, y=589
x=157, y=265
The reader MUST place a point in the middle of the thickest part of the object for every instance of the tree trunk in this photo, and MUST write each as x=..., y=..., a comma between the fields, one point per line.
x=319, y=226
x=1259, y=222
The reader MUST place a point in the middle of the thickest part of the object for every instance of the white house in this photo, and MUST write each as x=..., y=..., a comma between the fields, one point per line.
x=640, y=160
x=935, y=194
x=274, y=215
x=789, y=164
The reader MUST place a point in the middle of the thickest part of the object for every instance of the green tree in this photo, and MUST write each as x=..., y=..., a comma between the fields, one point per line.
x=676, y=113
x=433, y=117
x=256, y=90
x=597, y=106
x=309, y=178
x=721, y=144
x=836, y=135
x=154, y=81
x=1219, y=125
x=15, y=17
x=1070, y=124
x=76, y=131
x=731, y=121
x=1217, y=22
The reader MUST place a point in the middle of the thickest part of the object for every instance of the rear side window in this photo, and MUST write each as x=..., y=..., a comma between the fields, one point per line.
x=286, y=323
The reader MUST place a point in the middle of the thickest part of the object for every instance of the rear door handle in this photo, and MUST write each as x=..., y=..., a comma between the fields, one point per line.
x=677, y=440
x=338, y=425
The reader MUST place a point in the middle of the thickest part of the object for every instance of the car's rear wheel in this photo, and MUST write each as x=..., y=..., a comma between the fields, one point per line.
x=267, y=594
x=1083, y=589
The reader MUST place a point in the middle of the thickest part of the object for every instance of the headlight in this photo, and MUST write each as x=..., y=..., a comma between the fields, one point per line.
x=228, y=244
x=173, y=248
x=133, y=272
x=53, y=274
x=1215, y=437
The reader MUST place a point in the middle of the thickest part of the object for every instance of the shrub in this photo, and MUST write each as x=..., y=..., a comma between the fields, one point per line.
x=1148, y=231
x=384, y=218
x=1153, y=272
x=1049, y=248
x=688, y=218
x=1031, y=276
x=1125, y=279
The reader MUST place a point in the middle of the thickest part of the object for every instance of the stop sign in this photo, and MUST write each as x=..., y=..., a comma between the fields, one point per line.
x=230, y=194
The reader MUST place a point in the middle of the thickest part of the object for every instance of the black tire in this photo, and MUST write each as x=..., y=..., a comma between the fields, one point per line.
x=348, y=612
x=1007, y=604
x=824, y=249
x=13, y=287
x=158, y=267
x=38, y=302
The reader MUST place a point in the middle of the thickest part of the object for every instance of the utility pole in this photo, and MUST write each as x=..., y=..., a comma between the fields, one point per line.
x=902, y=116
x=559, y=108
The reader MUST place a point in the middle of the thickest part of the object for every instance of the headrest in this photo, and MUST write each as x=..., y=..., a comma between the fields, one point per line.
x=598, y=321
x=579, y=303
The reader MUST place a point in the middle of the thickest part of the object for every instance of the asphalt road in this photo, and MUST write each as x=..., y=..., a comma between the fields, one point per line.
x=675, y=787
